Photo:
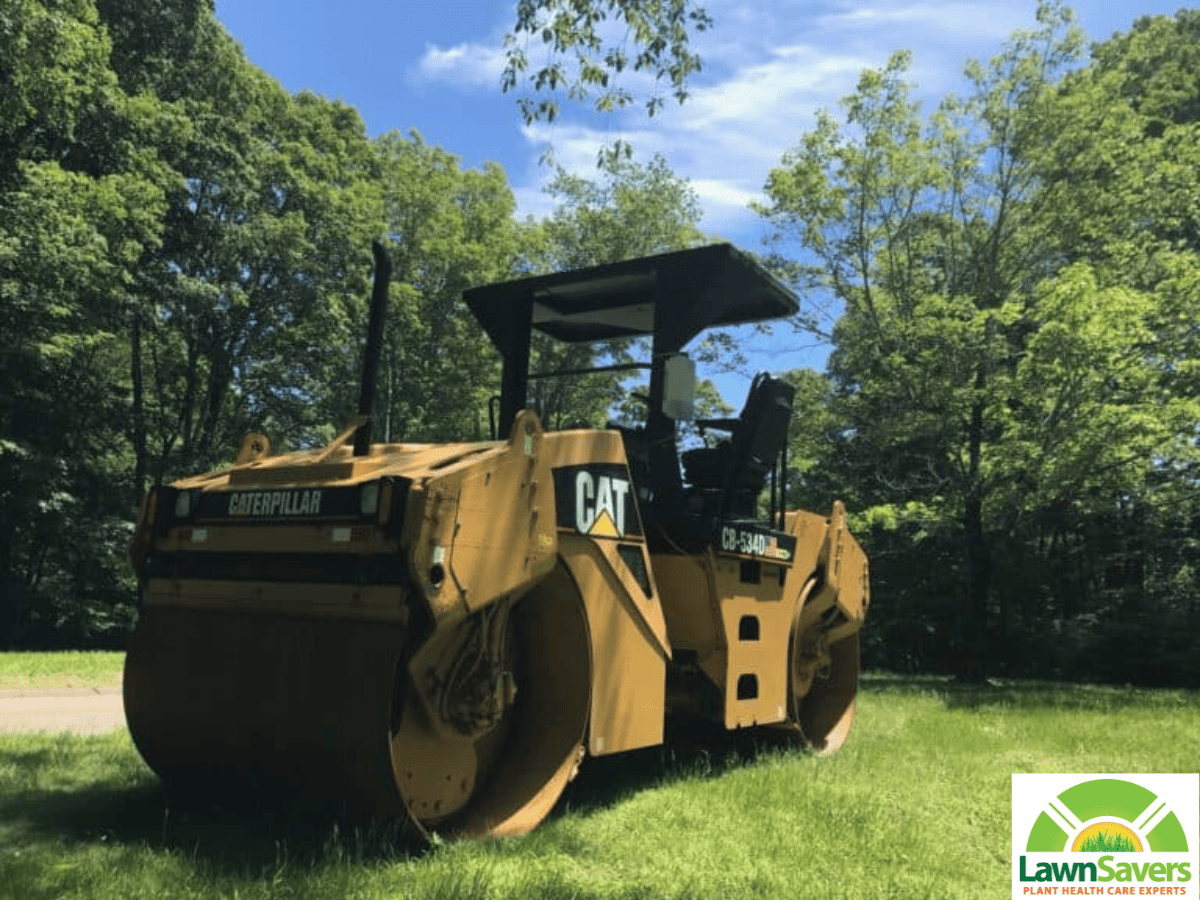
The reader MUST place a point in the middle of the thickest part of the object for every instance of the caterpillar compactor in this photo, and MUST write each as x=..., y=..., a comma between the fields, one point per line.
x=445, y=632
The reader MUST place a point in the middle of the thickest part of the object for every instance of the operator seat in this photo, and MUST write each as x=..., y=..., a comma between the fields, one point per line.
x=727, y=479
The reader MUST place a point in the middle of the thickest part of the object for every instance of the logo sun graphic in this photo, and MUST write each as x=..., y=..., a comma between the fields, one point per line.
x=1107, y=837
x=1107, y=815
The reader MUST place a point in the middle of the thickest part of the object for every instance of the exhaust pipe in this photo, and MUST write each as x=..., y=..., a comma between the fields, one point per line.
x=374, y=348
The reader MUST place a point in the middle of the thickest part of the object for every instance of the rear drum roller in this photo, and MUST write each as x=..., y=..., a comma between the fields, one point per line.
x=823, y=686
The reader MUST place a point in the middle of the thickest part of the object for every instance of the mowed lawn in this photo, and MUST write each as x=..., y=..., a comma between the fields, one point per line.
x=916, y=805
x=69, y=668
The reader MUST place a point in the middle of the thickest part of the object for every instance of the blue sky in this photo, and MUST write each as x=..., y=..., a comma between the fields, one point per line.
x=768, y=66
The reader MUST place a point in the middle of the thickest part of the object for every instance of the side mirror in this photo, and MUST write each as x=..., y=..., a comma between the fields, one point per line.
x=679, y=387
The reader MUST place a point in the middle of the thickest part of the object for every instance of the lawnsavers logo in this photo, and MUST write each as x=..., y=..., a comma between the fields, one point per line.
x=1110, y=835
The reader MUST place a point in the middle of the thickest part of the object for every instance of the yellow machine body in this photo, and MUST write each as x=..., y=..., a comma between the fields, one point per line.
x=444, y=632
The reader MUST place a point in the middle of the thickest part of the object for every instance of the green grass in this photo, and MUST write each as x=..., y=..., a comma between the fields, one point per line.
x=917, y=805
x=68, y=668
x=1107, y=843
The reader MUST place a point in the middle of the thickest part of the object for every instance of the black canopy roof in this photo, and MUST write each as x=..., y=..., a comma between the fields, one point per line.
x=677, y=295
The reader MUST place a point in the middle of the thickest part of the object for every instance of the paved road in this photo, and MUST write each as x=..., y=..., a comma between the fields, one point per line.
x=78, y=710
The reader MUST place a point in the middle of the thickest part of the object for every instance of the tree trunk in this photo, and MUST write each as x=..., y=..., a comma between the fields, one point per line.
x=12, y=588
x=141, y=463
x=973, y=661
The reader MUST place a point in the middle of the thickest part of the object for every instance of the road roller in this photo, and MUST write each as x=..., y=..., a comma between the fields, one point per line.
x=443, y=633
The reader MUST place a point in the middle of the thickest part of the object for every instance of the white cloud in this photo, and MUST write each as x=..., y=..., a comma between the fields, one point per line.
x=532, y=201
x=726, y=206
x=469, y=64
x=925, y=21
x=793, y=79
x=768, y=69
x=576, y=144
x=575, y=149
x=721, y=193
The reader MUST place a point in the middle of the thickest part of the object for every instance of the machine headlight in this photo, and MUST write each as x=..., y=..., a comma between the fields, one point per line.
x=369, y=499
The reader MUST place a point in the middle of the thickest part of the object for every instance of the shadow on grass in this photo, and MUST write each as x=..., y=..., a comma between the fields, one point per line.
x=256, y=840
x=235, y=840
x=1031, y=695
x=692, y=749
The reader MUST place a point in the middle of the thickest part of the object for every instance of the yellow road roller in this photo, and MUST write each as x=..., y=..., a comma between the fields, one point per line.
x=444, y=633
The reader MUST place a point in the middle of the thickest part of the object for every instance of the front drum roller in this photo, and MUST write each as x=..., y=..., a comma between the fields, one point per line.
x=227, y=705
x=322, y=712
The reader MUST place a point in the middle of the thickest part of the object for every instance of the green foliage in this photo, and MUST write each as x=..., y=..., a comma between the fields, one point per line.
x=184, y=258
x=657, y=34
x=255, y=288
x=68, y=668
x=1011, y=375
x=1085, y=415
x=56, y=79
x=450, y=229
x=81, y=201
x=631, y=209
x=917, y=804
x=182, y=245
x=1009, y=282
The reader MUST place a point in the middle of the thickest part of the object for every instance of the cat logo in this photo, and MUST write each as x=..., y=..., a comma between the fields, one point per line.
x=596, y=500
x=600, y=504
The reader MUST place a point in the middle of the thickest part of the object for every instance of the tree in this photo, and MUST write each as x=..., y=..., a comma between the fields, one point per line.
x=152, y=40
x=450, y=229
x=182, y=246
x=249, y=302
x=658, y=32
x=631, y=209
x=924, y=233
x=1124, y=169
x=1002, y=404
x=81, y=200
x=1119, y=177
x=56, y=76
